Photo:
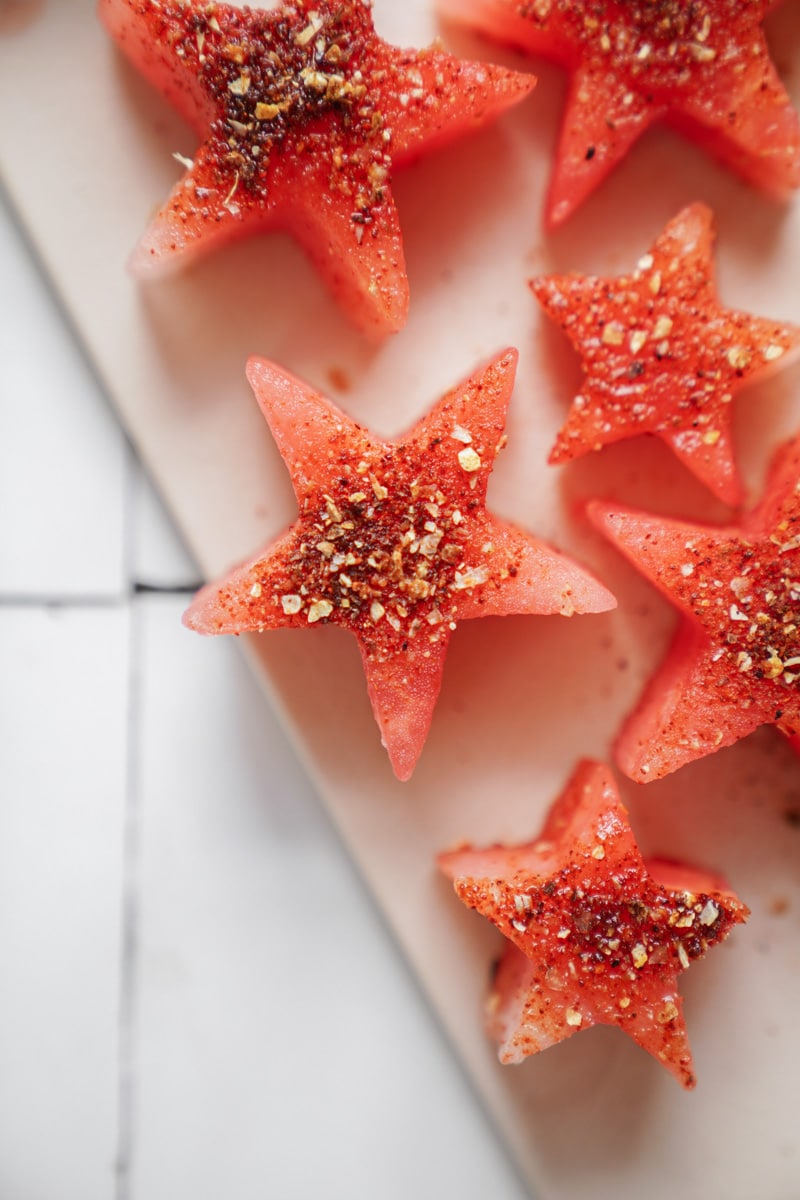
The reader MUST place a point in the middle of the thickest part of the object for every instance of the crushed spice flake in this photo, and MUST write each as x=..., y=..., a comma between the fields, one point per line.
x=469, y=460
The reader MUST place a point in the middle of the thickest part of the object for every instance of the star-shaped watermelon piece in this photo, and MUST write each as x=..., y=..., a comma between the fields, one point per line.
x=661, y=355
x=303, y=114
x=734, y=663
x=394, y=542
x=597, y=935
x=702, y=66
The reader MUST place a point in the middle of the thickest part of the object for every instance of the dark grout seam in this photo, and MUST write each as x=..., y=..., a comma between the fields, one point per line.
x=130, y=852
x=156, y=589
x=36, y=600
x=137, y=587
x=129, y=964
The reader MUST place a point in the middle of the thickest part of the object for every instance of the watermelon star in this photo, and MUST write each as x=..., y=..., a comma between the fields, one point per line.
x=704, y=67
x=394, y=543
x=734, y=663
x=661, y=355
x=303, y=113
x=597, y=935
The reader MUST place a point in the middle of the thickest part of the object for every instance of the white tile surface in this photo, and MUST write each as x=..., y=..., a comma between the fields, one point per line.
x=158, y=557
x=63, y=709
x=282, y=1048
x=62, y=456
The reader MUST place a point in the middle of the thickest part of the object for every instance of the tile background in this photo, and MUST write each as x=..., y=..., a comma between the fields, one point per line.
x=197, y=996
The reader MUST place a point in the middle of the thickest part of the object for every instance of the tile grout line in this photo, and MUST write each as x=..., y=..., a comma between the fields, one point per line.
x=130, y=850
x=133, y=587
x=130, y=902
x=9, y=599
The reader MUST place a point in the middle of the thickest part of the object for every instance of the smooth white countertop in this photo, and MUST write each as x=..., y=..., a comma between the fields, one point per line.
x=197, y=996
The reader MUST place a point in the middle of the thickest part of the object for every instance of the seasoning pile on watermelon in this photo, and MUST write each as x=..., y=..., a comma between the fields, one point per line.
x=394, y=542
x=734, y=663
x=702, y=66
x=303, y=112
x=661, y=355
x=596, y=935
